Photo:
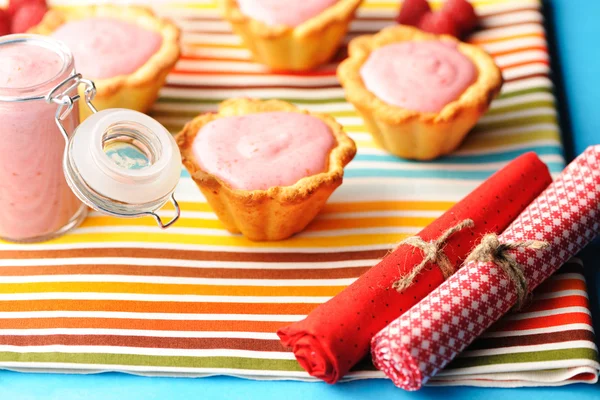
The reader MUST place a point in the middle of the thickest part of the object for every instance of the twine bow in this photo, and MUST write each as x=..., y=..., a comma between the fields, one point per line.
x=432, y=253
x=492, y=250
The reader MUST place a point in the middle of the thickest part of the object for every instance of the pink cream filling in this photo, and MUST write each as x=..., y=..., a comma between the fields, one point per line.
x=108, y=47
x=283, y=12
x=27, y=66
x=420, y=76
x=259, y=151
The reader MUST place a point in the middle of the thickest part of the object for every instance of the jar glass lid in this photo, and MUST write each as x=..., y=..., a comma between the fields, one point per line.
x=123, y=163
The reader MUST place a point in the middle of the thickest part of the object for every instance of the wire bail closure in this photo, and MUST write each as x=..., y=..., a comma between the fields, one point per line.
x=60, y=95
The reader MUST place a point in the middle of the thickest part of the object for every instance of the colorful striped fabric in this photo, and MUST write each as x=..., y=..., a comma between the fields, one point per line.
x=194, y=300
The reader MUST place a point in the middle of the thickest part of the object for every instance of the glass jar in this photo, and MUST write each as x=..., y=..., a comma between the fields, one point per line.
x=119, y=162
x=35, y=200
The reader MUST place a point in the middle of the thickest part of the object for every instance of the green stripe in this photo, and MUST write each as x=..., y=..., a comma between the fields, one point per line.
x=521, y=106
x=516, y=122
x=535, y=356
x=525, y=91
x=154, y=361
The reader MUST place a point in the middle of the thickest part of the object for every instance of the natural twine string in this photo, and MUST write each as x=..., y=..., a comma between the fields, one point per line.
x=492, y=250
x=432, y=253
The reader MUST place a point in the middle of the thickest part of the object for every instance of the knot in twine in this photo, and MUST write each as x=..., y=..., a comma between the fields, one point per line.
x=492, y=250
x=432, y=253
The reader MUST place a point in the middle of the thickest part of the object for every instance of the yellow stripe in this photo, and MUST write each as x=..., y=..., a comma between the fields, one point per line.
x=315, y=226
x=229, y=241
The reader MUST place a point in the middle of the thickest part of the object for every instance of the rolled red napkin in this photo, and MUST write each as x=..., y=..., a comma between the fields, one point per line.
x=337, y=334
x=557, y=225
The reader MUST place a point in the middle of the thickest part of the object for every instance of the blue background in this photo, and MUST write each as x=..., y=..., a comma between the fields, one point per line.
x=574, y=35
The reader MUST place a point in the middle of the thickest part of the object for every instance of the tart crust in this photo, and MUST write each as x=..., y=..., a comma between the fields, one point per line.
x=278, y=212
x=300, y=48
x=414, y=134
x=138, y=90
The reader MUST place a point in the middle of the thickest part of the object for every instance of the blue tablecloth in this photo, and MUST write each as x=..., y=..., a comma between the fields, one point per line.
x=574, y=29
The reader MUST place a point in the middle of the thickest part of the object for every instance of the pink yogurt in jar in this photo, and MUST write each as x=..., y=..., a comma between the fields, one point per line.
x=35, y=201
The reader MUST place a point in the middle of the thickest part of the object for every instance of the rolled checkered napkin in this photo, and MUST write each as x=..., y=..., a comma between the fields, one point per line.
x=565, y=217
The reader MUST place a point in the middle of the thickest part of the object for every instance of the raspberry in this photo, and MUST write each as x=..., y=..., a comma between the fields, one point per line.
x=412, y=11
x=463, y=13
x=14, y=5
x=28, y=16
x=4, y=22
x=438, y=23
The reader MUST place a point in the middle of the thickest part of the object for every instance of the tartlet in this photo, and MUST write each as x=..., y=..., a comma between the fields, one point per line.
x=286, y=48
x=409, y=133
x=277, y=212
x=138, y=90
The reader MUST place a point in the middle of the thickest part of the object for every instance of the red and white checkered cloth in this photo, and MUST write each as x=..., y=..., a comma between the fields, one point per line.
x=414, y=347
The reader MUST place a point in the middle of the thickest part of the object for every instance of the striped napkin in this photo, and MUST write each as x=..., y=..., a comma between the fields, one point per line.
x=120, y=295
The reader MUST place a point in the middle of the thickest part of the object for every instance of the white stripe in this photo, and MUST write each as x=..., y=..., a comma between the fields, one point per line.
x=506, y=32
x=166, y=262
x=297, y=93
x=361, y=231
x=145, y=351
x=217, y=25
x=529, y=83
x=153, y=316
x=527, y=56
x=524, y=70
x=519, y=17
x=562, y=293
x=369, y=26
x=511, y=147
x=519, y=366
x=208, y=38
x=382, y=214
x=523, y=129
x=152, y=370
x=522, y=100
x=416, y=166
x=485, y=10
x=167, y=280
x=163, y=297
x=217, y=52
x=570, y=345
x=140, y=332
x=537, y=331
x=223, y=66
x=513, y=44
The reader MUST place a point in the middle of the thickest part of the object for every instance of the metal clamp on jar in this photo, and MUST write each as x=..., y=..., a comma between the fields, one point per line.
x=118, y=162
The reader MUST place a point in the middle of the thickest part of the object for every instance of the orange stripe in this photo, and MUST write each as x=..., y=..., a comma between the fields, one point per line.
x=543, y=322
x=556, y=303
x=141, y=324
x=505, y=38
x=164, y=289
x=157, y=307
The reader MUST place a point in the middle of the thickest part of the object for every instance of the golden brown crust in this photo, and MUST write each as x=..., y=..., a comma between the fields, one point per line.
x=299, y=48
x=278, y=212
x=382, y=117
x=153, y=71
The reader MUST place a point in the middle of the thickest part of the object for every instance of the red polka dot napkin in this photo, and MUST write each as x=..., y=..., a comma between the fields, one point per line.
x=425, y=339
x=337, y=334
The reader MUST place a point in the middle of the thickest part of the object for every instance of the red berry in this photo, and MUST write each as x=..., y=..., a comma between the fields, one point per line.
x=438, y=23
x=412, y=11
x=28, y=16
x=463, y=13
x=14, y=5
x=4, y=23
